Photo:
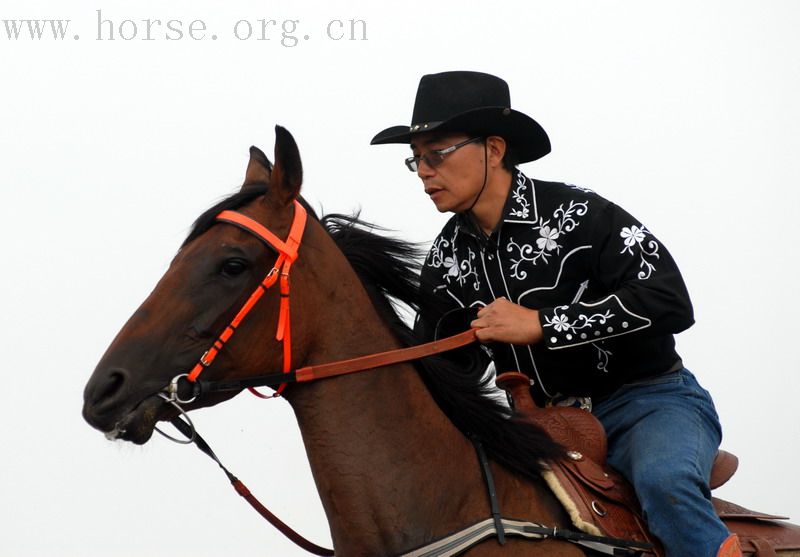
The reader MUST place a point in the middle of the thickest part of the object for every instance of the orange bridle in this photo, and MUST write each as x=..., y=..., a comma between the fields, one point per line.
x=287, y=254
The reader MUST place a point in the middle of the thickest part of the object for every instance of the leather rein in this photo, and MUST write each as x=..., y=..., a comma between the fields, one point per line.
x=176, y=392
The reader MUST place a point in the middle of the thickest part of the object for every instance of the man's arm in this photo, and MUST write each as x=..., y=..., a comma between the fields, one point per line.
x=645, y=294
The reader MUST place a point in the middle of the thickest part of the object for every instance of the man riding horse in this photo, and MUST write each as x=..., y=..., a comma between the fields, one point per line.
x=569, y=289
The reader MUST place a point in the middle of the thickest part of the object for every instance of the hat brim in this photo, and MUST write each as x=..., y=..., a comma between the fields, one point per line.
x=527, y=137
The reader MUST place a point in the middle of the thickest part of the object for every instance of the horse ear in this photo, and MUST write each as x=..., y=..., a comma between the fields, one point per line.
x=259, y=169
x=287, y=175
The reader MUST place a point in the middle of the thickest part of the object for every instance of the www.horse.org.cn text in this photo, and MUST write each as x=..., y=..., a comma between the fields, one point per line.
x=286, y=32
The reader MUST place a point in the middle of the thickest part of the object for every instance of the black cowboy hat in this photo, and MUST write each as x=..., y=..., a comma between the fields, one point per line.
x=473, y=103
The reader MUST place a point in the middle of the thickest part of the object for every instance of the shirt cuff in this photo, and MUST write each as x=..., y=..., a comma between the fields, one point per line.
x=581, y=323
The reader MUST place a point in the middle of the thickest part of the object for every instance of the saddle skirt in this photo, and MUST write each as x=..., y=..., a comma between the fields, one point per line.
x=599, y=501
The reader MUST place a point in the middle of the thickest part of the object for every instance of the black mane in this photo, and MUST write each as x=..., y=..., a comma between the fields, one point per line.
x=389, y=270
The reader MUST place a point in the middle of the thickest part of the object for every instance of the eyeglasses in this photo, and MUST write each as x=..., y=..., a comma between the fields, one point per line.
x=436, y=157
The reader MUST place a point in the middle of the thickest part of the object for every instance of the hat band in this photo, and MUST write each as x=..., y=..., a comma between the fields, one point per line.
x=424, y=126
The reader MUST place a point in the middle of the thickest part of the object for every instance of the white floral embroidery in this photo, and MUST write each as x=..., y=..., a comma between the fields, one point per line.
x=603, y=357
x=452, y=266
x=567, y=222
x=549, y=234
x=631, y=236
x=561, y=322
x=634, y=237
x=518, y=194
x=548, y=238
x=466, y=269
x=436, y=257
x=441, y=257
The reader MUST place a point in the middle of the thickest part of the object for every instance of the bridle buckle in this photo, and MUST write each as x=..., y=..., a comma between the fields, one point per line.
x=203, y=361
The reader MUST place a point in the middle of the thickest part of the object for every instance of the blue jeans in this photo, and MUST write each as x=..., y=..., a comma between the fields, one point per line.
x=663, y=436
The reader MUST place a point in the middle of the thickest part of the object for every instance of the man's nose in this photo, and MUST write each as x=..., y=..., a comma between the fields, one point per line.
x=424, y=170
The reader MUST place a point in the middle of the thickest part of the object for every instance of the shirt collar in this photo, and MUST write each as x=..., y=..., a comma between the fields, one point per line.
x=520, y=206
x=521, y=203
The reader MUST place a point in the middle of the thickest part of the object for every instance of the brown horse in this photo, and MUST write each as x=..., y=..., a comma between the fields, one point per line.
x=390, y=449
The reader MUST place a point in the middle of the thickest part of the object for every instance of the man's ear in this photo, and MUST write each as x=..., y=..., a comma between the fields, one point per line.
x=259, y=169
x=287, y=174
x=495, y=150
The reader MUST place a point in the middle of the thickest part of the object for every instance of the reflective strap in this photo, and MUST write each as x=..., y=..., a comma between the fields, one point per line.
x=287, y=253
x=255, y=228
x=296, y=232
x=459, y=542
x=283, y=316
x=290, y=247
x=212, y=352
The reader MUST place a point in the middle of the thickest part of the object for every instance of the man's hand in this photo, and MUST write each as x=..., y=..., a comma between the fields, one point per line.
x=504, y=321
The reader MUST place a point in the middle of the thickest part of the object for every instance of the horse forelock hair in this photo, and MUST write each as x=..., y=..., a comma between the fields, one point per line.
x=389, y=271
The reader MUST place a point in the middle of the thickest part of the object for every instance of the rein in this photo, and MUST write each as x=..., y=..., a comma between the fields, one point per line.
x=323, y=371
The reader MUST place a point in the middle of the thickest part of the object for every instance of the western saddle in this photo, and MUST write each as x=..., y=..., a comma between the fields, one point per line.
x=600, y=502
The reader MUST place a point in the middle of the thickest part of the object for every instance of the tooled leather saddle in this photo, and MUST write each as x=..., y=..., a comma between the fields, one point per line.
x=600, y=502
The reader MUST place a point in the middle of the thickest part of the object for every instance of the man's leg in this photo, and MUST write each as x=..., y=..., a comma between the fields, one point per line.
x=663, y=436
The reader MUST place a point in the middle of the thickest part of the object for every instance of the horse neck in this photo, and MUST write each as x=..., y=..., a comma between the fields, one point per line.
x=376, y=438
x=391, y=469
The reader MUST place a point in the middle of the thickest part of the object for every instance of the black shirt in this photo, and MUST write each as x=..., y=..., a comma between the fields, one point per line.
x=609, y=295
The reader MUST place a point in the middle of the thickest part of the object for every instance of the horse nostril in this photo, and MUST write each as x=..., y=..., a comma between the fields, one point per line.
x=107, y=387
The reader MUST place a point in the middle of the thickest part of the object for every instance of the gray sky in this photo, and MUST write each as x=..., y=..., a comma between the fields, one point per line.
x=684, y=113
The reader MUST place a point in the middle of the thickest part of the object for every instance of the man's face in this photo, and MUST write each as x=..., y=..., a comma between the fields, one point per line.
x=454, y=184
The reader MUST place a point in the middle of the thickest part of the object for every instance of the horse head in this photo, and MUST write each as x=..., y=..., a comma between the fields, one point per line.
x=210, y=277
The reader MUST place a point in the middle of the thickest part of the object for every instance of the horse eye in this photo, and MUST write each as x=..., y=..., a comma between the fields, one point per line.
x=233, y=267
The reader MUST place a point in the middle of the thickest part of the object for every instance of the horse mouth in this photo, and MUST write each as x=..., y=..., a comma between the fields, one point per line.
x=138, y=424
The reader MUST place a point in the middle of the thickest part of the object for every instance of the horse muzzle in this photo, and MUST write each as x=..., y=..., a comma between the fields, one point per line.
x=111, y=407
